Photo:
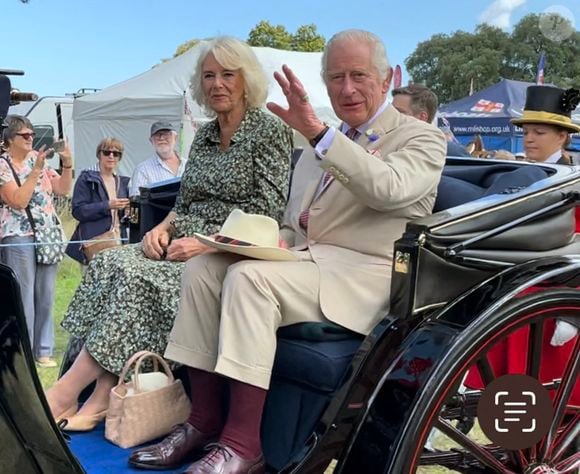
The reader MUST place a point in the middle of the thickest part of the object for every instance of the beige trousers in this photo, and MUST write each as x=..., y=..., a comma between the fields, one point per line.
x=231, y=308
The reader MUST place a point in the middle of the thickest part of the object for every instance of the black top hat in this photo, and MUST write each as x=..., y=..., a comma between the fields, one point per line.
x=550, y=105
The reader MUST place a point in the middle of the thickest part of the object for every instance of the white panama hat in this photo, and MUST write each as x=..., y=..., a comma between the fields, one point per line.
x=252, y=235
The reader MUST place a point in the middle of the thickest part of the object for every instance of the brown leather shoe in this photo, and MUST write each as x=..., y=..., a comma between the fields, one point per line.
x=223, y=460
x=179, y=446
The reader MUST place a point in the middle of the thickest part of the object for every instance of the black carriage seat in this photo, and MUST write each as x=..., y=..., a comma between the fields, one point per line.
x=463, y=184
x=464, y=253
x=306, y=375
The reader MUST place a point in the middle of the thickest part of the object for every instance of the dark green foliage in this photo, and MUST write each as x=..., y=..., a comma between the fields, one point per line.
x=447, y=63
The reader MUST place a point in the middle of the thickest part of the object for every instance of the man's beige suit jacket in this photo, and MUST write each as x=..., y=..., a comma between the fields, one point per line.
x=386, y=178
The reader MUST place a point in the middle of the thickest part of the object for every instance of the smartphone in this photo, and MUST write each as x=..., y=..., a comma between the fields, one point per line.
x=58, y=146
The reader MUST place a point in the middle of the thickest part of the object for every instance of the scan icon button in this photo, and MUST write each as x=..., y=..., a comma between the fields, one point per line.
x=515, y=411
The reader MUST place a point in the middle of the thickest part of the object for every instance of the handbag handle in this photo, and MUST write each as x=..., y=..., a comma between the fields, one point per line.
x=138, y=358
x=156, y=358
x=128, y=365
x=115, y=212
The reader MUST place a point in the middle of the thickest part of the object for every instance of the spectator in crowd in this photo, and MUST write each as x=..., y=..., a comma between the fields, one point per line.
x=421, y=102
x=128, y=297
x=417, y=101
x=368, y=177
x=35, y=193
x=165, y=164
x=100, y=199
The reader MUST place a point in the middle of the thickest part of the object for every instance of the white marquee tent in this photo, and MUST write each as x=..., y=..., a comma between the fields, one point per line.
x=127, y=110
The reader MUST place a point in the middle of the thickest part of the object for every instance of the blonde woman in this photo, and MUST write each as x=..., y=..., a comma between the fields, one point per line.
x=128, y=298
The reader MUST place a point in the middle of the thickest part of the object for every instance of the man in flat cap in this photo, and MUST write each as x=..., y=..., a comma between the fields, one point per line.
x=166, y=163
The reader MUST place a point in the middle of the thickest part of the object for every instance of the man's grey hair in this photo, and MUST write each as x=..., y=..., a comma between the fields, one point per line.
x=380, y=58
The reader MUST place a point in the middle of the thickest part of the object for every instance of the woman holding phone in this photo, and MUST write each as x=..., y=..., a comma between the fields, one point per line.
x=99, y=201
x=25, y=183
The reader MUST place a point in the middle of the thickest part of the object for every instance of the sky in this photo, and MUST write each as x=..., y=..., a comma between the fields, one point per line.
x=66, y=45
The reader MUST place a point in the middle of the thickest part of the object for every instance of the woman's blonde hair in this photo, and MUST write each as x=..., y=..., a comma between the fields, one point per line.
x=232, y=53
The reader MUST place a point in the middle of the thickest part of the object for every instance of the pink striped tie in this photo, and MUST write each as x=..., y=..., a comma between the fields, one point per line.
x=353, y=134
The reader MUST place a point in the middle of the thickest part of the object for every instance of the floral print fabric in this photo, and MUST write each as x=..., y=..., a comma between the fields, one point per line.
x=14, y=221
x=127, y=302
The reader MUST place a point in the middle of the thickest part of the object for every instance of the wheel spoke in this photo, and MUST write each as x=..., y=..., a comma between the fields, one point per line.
x=569, y=379
x=485, y=370
x=567, y=437
x=535, y=338
x=570, y=465
x=517, y=458
x=475, y=449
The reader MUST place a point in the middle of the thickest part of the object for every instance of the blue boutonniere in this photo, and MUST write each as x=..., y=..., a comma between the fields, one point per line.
x=371, y=135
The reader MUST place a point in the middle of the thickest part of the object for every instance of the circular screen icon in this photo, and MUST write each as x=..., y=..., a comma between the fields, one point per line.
x=515, y=411
x=557, y=23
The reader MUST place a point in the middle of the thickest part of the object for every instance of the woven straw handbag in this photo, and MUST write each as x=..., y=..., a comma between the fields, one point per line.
x=135, y=415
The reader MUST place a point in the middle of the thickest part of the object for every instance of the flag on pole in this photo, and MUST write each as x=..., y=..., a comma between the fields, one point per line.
x=541, y=67
x=471, y=87
x=398, y=76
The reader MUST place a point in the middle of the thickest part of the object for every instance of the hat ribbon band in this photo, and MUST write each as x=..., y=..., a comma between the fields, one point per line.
x=539, y=115
x=228, y=240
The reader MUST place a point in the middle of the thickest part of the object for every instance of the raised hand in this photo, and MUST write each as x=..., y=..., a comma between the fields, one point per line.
x=40, y=158
x=66, y=155
x=299, y=115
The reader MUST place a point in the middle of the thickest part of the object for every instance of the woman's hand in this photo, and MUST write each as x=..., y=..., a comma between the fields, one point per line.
x=40, y=159
x=65, y=155
x=155, y=242
x=185, y=248
x=119, y=203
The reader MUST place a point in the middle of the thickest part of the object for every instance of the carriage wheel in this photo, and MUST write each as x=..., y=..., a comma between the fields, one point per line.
x=556, y=453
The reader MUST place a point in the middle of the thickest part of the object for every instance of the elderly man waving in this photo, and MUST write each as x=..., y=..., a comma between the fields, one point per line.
x=353, y=193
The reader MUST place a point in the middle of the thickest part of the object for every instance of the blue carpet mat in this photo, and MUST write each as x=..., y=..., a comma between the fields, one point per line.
x=99, y=456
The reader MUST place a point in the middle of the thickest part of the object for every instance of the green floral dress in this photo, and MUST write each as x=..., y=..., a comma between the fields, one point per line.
x=126, y=302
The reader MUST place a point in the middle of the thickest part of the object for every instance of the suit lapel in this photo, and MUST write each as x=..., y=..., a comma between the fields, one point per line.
x=383, y=124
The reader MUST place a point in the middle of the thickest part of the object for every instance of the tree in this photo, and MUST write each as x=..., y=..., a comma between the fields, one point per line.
x=307, y=38
x=448, y=63
x=183, y=47
x=562, y=57
x=265, y=34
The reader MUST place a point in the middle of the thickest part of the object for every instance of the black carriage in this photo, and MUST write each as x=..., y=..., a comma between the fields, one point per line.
x=464, y=280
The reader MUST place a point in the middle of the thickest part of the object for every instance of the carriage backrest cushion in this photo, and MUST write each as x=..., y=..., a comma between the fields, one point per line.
x=460, y=185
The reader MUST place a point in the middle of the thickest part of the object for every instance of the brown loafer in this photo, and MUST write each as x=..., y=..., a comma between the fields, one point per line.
x=223, y=460
x=179, y=446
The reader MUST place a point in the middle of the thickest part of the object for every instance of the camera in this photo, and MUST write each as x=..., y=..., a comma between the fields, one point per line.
x=9, y=96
